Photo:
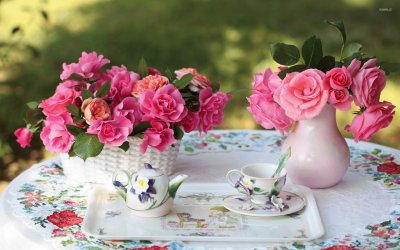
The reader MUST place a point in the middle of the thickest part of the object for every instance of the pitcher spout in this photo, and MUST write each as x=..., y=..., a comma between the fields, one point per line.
x=174, y=184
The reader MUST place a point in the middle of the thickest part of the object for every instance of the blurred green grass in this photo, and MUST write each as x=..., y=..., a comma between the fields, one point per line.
x=226, y=40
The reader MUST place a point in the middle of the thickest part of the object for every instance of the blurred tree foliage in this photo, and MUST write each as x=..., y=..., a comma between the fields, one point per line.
x=227, y=40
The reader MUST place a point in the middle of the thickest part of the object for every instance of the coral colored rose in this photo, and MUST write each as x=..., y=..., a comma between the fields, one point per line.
x=72, y=203
x=66, y=218
x=368, y=82
x=151, y=82
x=57, y=104
x=190, y=121
x=198, y=82
x=166, y=104
x=302, y=94
x=389, y=168
x=122, y=82
x=369, y=122
x=89, y=66
x=96, y=110
x=129, y=108
x=340, y=99
x=266, y=83
x=24, y=137
x=384, y=233
x=159, y=136
x=338, y=78
x=112, y=132
x=268, y=113
x=211, y=109
x=55, y=135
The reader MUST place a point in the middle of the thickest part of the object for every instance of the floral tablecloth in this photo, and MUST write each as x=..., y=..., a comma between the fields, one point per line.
x=42, y=208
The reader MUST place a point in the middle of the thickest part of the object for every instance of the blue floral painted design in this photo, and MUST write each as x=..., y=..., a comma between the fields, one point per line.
x=143, y=187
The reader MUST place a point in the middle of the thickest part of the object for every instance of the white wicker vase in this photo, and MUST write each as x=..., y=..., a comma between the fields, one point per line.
x=99, y=169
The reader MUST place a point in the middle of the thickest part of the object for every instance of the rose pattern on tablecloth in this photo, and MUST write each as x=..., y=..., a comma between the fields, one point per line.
x=48, y=192
x=227, y=141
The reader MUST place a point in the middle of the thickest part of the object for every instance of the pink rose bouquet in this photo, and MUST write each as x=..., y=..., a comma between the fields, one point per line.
x=93, y=107
x=299, y=91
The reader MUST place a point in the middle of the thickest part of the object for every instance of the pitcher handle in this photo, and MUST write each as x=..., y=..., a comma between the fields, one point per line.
x=230, y=174
x=121, y=186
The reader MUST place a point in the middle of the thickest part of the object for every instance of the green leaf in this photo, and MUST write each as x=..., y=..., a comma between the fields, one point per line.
x=339, y=25
x=285, y=54
x=141, y=127
x=75, y=130
x=350, y=49
x=389, y=67
x=299, y=245
x=184, y=81
x=282, y=160
x=87, y=145
x=168, y=73
x=257, y=189
x=178, y=132
x=124, y=146
x=312, y=52
x=72, y=153
x=75, y=77
x=103, y=90
x=386, y=223
x=357, y=55
x=73, y=109
x=327, y=63
x=86, y=94
x=295, y=68
x=142, y=68
x=32, y=105
x=33, y=116
x=78, y=120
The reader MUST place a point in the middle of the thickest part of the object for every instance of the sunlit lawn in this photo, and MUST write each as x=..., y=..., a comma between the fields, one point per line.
x=226, y=40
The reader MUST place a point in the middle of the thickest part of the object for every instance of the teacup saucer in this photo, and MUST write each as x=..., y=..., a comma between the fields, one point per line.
x=242, y=205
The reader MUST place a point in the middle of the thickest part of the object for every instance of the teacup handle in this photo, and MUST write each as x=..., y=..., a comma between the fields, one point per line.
x=232, y=173
x=119, y=185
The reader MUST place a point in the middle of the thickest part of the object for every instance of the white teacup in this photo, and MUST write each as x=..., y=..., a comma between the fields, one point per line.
x=256, y=181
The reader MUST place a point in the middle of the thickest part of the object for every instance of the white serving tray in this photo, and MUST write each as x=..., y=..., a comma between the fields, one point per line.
x=198, y=215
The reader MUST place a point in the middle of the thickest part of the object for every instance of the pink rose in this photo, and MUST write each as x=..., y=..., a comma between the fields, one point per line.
x=151, y=82
x=159, y=136
x=190, y=121
x=55, y=135
x=122, y=82
x=340, y=99
x=166, y=104
x=374, y=118
x=338, y=78
x=266, y=83
x=89, y=66
x=211, y=109
x=368, y=82
x=57, y=104
x=302, y=94
x=112, y=132
x=198, y=82
x=24, y=137
x=129, y=108
x=95, y=109
x=268, y=113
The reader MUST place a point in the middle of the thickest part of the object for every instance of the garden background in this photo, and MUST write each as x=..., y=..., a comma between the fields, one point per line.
x=227, y=40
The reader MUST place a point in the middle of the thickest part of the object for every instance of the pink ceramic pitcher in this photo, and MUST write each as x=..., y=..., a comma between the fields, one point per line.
x=320, y=155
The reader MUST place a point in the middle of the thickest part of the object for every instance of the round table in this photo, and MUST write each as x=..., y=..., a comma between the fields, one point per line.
x=361, y=212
